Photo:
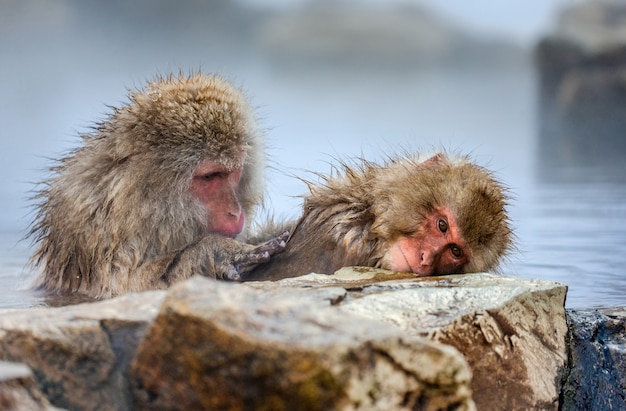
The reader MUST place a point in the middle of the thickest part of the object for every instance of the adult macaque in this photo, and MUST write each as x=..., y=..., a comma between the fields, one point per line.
x=156, y=193
x=440, y=216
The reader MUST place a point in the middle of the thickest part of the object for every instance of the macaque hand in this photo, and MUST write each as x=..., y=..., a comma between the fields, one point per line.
x=252, y=255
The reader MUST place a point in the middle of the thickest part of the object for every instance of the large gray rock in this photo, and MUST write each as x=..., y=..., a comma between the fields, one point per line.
x=19, y=390
x=223, y=346
x=80, y=354
x=511, y=330
x=360, y=339
x=597, y=344
x=582, y=69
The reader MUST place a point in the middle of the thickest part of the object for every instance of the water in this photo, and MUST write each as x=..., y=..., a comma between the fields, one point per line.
x=14, y=279
x=574, y=233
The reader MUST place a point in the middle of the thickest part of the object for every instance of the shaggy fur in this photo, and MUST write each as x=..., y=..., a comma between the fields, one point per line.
x=116, y=215
x=353, y=217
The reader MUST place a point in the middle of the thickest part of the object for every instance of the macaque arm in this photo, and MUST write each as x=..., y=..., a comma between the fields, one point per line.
x=213, y=256
x=268, y=229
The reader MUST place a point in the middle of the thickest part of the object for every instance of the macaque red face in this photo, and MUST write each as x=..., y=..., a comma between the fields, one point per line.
x=437, y=248
x=216, y=187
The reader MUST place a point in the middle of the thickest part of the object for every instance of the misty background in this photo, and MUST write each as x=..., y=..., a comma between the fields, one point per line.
x=328, y=80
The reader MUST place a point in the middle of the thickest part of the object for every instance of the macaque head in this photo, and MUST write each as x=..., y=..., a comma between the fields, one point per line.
x=183, y=158
x=445, y=216
x=197, y=142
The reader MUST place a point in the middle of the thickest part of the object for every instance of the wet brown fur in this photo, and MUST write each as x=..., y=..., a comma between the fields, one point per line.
x=116, y=215
x=353, y=216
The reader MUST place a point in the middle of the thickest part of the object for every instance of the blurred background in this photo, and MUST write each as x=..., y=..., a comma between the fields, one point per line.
x=535, y=91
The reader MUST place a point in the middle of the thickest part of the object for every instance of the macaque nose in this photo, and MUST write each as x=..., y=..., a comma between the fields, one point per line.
x=232, y=225
x=426, y=258
x=235, y=213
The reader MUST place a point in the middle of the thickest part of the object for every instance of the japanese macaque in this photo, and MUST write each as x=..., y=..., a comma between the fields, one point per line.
x=155, y=194
x=441, y=216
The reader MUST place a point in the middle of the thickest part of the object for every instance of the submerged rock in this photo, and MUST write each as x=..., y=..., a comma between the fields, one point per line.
x=597, y=345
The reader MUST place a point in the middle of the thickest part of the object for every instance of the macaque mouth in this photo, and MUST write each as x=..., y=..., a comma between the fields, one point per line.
x=428, y=270
x=413, y=270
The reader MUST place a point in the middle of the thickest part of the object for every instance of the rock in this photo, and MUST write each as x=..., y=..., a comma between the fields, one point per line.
x=79, y=354
x=582, y=70
x=19, y=391
x=216, y=345
x=511, y=330
x=360, y=339
x=595, y=25
x=597, y=345
x=369, y=37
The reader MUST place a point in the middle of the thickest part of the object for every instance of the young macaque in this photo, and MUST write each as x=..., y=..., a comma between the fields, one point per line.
x=155, y=194
x=441, y=216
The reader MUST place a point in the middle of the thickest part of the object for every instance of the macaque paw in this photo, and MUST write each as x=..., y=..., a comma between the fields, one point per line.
x=247, y=260
x=275, y=245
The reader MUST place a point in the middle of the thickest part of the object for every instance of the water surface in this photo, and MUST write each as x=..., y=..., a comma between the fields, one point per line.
x=574, y=233
x=62, y=67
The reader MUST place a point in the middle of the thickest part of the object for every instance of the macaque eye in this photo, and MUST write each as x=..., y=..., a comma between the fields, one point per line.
x=212, y=176
x=442, y=225
x=456, y=251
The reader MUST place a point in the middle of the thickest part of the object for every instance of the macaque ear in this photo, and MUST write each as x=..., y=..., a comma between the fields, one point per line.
x=434, y=161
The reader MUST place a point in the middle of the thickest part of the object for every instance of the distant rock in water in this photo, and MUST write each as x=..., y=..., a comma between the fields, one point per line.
x=344, y=35
x=582, y=107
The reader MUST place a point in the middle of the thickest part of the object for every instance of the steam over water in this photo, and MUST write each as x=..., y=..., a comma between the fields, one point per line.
x=61, y=68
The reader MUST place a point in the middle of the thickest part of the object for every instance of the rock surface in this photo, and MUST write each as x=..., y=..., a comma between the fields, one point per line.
x=511, y=330
x=223, y=346
x=597, y=345
x=80, y=354
x=19, y=390
x=582, y=70
x=361, y=339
